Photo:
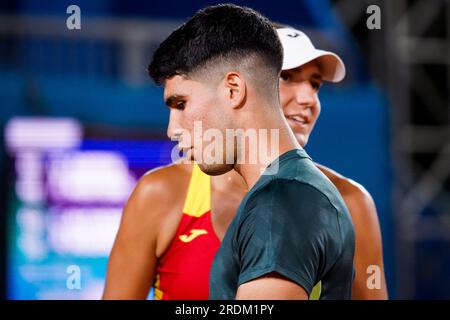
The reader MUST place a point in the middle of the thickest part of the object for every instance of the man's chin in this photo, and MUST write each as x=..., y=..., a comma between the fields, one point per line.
x=215, y=169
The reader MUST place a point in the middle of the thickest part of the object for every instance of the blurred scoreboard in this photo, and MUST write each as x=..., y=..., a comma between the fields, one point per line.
x=65, y=201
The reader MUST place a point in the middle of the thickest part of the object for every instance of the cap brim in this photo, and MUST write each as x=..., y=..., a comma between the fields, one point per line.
x=330, y=65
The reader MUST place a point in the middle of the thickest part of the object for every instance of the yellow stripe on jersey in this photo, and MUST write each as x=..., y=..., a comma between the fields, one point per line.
x=198, y=199
x=158, y=294
x=316, y=291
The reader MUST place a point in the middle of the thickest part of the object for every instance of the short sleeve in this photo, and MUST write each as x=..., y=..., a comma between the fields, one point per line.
x=290, y=228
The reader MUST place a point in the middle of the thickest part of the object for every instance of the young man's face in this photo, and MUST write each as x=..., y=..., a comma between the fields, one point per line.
x=197, y=105
x=299, y=99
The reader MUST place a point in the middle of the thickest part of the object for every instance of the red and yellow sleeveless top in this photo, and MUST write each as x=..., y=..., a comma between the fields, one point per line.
x=183, y=271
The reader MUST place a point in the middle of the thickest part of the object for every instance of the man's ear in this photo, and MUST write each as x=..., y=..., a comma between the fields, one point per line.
x=235, y=89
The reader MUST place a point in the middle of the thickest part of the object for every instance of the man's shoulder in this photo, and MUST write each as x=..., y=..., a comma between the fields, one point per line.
x=313, y=203
x=289, y=193
x=302, y=169
x=298, y=211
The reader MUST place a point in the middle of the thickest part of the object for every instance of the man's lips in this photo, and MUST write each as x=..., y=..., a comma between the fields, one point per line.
x=184, y=149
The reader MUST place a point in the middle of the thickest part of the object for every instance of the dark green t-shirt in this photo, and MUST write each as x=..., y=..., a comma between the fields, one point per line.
x=292, y=222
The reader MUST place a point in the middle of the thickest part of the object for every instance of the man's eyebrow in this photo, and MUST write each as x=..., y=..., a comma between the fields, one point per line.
x=170, y=99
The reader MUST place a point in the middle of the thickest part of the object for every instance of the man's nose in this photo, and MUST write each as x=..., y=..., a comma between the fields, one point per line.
x=173, y=126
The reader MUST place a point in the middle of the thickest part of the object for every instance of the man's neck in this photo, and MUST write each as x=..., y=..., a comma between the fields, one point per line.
x=251, y=172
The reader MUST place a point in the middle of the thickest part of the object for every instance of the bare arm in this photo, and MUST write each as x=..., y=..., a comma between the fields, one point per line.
x=368, y=246
x=133, y=259
x=131, y=265
x=271, y=287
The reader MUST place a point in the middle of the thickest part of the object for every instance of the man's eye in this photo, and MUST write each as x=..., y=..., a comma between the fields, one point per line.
x=180, y=105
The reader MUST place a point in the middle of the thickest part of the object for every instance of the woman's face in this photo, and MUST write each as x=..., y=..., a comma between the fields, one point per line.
x=299, y=98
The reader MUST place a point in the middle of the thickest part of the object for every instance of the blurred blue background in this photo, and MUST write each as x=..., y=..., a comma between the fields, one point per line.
x=77, y=105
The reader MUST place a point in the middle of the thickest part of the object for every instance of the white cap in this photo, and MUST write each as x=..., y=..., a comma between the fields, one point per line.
x=298, y=50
